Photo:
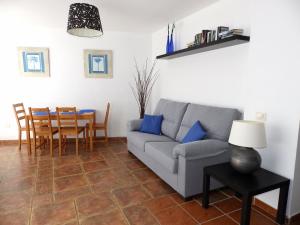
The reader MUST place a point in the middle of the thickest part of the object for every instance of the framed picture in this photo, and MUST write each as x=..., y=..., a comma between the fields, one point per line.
x=98, y=63
x=34, y=62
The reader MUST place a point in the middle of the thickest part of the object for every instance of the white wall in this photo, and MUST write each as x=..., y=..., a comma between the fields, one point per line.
x=67, y=85
x=262, y=76
x=201, y=78
x=272, y=85
x=295, y=204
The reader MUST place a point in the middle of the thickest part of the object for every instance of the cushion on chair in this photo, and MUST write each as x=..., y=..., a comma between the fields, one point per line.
x=151, y=124
x=196, y=133
x=173, y=113
x=139, y=139
x=82, y=111
x=162, y=152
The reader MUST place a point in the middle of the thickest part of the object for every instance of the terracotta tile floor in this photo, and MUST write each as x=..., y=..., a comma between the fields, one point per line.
x=104, y=187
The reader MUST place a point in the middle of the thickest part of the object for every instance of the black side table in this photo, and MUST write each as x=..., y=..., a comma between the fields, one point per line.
x=247, y=186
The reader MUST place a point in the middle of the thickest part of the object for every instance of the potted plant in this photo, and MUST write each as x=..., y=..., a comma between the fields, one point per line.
x=144, y=80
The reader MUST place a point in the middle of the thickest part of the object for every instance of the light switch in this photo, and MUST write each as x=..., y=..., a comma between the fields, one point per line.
x=260, y=116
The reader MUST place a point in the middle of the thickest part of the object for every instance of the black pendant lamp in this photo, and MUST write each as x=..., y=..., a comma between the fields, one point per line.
x=84, y=20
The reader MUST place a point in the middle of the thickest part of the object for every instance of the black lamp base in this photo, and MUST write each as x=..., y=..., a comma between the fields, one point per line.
x=245, y=160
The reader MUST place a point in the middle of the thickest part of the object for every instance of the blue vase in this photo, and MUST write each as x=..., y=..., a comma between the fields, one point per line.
x=171, y=45
x=167, y=45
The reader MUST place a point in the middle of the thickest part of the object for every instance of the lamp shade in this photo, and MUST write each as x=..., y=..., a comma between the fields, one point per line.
x=250, y=134
x=84, y=20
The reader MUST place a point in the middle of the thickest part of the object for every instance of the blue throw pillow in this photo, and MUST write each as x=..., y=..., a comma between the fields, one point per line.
x=151, y=124
x=196, y=133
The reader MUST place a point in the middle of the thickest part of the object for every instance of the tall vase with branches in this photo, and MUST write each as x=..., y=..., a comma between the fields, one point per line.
x=144, y=81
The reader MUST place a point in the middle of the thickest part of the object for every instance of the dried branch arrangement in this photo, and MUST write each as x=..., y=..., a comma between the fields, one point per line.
x=144, y=81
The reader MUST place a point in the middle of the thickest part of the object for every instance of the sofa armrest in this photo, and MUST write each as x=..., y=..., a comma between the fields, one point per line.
x=200, y=149
x=134, y=125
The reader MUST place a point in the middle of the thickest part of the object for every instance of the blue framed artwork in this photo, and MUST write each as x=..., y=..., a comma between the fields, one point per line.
x=98, y=63
x=34, y=62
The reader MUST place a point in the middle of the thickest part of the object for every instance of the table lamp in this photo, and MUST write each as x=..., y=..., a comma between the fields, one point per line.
x=244, y=136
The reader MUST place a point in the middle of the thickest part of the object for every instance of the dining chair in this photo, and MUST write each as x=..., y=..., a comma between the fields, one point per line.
x=44, y=130
x=20, y=117
x=104, y=125
x=68, y=125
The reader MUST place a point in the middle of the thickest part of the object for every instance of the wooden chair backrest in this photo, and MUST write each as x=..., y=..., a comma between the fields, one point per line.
x=19, y=113
x=107, y=114
x=36, y=120
x=67, y=116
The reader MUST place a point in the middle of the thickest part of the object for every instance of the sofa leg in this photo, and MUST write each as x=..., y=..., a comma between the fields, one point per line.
x=187, y=199
x=238, y=195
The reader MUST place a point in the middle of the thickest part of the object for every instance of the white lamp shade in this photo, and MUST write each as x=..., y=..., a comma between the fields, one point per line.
x=250, y=134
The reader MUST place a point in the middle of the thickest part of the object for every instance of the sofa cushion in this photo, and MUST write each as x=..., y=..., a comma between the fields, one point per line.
x=162, y=152
x=139, y=139
x=201, y=149
x=215, y=120
x=173, y=113
x=152, y=124
x=196, y=133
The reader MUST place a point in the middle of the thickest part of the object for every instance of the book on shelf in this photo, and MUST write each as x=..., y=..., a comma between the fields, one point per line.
x=230, y=33
x=208, y=36
x=198, y=39
x=211, y=36
x=204, y=36
x=220, y=30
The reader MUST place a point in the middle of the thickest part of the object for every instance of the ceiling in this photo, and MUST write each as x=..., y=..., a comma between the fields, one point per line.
x=116, y=15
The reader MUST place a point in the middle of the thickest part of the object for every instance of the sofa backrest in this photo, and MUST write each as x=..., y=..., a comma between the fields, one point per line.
x=215, y=120
x=173, y=113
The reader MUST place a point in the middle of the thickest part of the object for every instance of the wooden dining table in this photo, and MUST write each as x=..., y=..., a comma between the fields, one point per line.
x=85, y=115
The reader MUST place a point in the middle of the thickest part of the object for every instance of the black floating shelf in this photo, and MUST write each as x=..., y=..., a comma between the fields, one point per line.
x=223, y=43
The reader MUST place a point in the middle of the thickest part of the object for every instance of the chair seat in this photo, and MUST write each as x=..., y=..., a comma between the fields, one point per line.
x=97, y=126
x=100, y=126
x=45, y=131
x=30, y=128
x=71, y=130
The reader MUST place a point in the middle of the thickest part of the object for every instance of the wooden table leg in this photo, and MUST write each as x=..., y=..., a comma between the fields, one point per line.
x=246, y=210
x=282, y=202
x=94, y=121
x=28, y=135
x=91, y=134
x=206, y=187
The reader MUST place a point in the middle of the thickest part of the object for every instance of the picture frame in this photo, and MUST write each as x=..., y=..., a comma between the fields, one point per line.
x=34, y=61
x=98, y=63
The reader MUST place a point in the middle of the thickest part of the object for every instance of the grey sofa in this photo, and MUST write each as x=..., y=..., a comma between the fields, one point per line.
x=181, y=165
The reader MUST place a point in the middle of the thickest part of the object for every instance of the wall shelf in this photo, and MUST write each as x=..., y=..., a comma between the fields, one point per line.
x=223, y=43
